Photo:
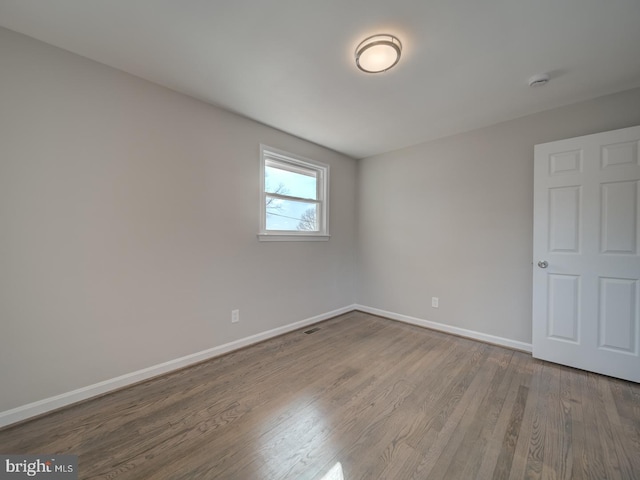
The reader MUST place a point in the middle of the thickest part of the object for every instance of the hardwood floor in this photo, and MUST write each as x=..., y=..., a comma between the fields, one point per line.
x=385, y=399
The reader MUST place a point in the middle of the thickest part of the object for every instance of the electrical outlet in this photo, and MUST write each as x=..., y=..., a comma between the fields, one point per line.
x=235, y=316
x=434, y=302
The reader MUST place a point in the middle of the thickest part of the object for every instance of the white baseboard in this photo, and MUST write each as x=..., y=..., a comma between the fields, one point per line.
x=462, y=332
x=40, y=407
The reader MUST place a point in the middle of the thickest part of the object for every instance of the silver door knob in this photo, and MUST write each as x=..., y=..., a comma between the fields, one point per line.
x=543, y=264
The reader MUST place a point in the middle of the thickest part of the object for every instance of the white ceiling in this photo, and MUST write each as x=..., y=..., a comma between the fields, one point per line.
x=290, y=63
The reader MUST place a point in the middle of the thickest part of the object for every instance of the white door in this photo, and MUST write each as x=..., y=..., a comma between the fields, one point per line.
x=586, y=247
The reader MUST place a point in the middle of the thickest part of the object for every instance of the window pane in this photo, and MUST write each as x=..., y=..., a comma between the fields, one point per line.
x=291, y=215
x=294, y=199
x=285, y=182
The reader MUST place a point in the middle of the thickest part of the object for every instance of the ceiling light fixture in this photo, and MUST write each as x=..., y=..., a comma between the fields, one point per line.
x=378, y=53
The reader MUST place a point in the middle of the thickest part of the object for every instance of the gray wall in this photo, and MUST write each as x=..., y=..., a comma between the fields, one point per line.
x=453, y=219
x=129, y=213
x=128, y=222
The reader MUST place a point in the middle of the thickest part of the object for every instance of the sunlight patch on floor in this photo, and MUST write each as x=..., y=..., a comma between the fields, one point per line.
x=335, y=473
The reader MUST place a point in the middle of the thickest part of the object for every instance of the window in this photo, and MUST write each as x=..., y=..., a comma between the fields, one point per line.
x=294, y=201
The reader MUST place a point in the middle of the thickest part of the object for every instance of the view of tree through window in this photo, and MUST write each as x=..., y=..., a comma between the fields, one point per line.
x=287, y=201
x=294, y=203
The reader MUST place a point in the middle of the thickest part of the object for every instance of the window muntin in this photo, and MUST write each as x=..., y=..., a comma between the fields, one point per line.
x=294, y=202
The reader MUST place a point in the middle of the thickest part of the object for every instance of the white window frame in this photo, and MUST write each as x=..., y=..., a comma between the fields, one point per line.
x=294, y=163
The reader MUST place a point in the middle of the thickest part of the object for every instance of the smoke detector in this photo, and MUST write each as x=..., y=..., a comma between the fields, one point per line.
x=539, y=80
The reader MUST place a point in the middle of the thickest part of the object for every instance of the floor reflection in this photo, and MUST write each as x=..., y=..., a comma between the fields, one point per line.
x=294, y=435
x=335, y=473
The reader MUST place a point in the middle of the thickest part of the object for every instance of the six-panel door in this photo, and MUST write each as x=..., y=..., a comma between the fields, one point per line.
x=586, y=298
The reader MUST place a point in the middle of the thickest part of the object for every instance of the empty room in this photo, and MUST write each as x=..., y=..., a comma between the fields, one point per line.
x=319, y=240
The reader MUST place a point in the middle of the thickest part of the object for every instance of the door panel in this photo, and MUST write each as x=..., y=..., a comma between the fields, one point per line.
x=620, y=154
x=618, y=319
x=564, y=307
x=564, y=219
x=565, y=163
x=586, y=291
x=619, y=217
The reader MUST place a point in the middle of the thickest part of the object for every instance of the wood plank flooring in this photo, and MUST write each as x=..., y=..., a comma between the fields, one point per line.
x=385, y=399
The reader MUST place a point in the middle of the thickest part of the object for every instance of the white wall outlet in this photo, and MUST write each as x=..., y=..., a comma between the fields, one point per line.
x=235, y=316
x=434, y=302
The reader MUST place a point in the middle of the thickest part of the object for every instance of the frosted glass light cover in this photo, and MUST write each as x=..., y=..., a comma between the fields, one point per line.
x=378, y=53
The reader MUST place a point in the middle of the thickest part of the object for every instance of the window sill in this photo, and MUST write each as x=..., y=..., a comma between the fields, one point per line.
x=276, y=237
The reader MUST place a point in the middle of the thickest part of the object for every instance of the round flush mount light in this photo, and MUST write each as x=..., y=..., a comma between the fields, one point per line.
x=378, y=53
